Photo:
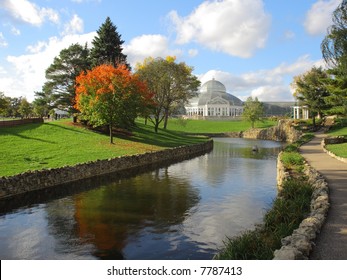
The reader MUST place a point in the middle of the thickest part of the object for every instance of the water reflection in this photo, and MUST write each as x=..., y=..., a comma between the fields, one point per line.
x=183, y=211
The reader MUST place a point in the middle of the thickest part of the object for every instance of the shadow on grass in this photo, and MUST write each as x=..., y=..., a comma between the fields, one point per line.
x=164, y=138
x=18, y=130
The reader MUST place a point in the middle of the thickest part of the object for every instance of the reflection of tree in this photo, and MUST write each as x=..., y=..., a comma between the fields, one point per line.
x=110, y=215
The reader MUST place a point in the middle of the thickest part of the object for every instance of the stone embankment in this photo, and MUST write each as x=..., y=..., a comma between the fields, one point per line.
x=284, y=132
x=11, y=123
x=299, y=245
x=47, y=178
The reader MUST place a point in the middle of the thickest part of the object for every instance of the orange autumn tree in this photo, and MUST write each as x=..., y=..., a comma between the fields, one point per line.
x=111, y=96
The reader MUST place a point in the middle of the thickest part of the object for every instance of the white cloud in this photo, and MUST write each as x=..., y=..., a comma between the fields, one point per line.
x=319, y=17
x=26, y=73
x=267, y=84
x=15, y=31
x=29, y=12
x=74, y=26
x=40, y=45
x=235, y=27
x=144, y=46
x=3, y=42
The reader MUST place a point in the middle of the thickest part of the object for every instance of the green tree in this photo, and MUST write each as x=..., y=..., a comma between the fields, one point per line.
x=25, y=108
x=253, y=110
x=311, y=91
x=171, y=83
x=13, y=109
x=4, y=104
x=334, y=50
x=61, y=75
x=107, y=46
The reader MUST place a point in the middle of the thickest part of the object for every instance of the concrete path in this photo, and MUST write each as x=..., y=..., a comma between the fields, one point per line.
x=331, y=243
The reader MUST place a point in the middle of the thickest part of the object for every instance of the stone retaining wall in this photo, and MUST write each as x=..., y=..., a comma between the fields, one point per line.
x=20, y=122
x=333, y=140
x=42, y=179
x=284, y=132
x=299, y=245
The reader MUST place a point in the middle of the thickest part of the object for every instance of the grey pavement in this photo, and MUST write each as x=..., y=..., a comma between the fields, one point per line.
x=331, y=242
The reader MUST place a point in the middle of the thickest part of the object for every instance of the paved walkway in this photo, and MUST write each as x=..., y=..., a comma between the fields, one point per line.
x=331, y=243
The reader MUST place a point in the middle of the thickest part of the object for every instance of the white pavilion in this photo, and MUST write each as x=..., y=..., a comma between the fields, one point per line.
x=214, y=101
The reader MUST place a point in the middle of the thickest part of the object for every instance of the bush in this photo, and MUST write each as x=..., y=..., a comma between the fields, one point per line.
x=292, y=160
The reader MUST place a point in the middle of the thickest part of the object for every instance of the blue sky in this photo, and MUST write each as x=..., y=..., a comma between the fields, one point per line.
x=254, y=47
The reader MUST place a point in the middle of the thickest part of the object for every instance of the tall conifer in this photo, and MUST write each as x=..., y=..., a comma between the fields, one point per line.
x=107, y=46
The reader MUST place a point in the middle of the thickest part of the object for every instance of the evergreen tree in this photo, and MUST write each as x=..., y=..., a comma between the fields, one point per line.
x=334, y=50
x=107, y=46
x=62, y=73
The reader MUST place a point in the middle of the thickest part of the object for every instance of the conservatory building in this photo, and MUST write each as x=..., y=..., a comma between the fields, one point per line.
x=214, y=101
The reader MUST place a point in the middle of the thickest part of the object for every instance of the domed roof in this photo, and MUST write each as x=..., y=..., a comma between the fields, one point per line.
x=215, y=92
x=213, y=85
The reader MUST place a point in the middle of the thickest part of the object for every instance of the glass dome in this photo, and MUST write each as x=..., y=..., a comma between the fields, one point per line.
x=214, y=91
x=213, y=86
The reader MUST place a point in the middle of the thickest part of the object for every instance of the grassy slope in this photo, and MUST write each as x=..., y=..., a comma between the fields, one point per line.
x=56, y=144
x=339, y=149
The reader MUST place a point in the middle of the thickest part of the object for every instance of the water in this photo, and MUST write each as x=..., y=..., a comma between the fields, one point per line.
x=183, y=211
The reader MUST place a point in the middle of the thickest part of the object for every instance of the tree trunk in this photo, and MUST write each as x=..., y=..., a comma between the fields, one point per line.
x=111, y=134
x=166, y=114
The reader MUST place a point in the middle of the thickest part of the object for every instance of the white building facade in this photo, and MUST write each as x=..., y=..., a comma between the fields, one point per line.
x=214, y=101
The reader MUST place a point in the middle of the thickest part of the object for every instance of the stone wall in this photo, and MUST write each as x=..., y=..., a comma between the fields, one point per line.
x=299, y=245
x=43, y=179
x=284, y=132
x=20, y=122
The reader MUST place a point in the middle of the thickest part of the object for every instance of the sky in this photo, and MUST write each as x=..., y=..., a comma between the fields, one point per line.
x=254, y=47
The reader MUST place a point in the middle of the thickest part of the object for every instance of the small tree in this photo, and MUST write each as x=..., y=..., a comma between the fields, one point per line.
x=172, y=84
x=253, y=110
x=4, y=104
x=25, y=108
x=311, y=91
x=111, y=96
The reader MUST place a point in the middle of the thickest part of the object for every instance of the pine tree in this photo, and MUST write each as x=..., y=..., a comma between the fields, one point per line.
x=62, y=73
x=107, y=46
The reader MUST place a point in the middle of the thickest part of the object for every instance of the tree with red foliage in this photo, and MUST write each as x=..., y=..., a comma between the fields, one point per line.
x=113, y=96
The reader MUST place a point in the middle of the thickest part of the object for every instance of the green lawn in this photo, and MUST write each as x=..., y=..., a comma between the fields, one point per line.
x=338, y=149
x=60, y=143
x=217, y=126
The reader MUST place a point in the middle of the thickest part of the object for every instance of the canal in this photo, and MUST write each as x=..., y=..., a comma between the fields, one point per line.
x=182, y=211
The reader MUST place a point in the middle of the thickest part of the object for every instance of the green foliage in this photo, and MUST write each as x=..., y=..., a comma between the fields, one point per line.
x=61, y=75
x=25, y=108
x=334, y=50
x=311, y=91
x=171, y=83
x=107, y=46
x=253, y=110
